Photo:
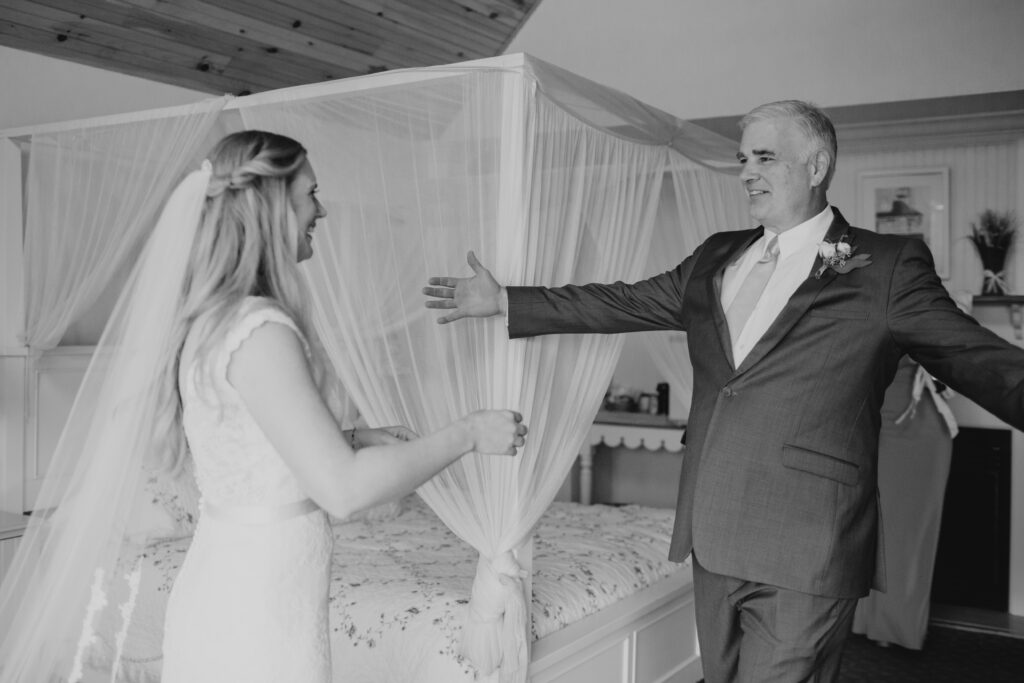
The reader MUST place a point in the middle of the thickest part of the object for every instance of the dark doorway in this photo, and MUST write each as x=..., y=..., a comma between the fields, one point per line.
x=972, y=567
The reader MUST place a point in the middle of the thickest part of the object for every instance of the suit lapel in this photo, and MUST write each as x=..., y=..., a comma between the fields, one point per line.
x=728, y=253
x=799, y=303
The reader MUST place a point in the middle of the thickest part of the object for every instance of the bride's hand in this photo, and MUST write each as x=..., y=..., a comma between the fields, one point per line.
x=382, y=436
x=497, y=432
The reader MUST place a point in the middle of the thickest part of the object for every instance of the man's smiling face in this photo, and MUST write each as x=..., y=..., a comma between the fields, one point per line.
x=780, y=174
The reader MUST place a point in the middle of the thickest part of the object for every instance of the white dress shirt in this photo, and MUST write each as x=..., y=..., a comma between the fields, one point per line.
x=798, y=247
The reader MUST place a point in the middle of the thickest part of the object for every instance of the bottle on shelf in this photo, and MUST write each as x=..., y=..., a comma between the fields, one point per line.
x=663, y=398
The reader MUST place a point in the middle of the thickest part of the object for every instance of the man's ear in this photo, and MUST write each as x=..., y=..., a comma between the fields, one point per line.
x=817, y=166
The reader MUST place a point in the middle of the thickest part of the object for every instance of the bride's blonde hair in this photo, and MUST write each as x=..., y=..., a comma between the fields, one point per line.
x=243, y=247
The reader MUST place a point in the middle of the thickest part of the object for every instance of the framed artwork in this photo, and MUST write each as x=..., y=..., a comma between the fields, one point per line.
x=912, y=202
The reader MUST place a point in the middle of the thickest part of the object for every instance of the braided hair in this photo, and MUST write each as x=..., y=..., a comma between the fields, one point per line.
x=243, y=247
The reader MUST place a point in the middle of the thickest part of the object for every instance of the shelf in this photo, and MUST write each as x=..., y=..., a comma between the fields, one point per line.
x=1015, y=304
x=621, y=417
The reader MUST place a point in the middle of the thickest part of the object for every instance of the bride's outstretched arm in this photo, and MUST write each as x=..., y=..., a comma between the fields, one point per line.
x=271, y=375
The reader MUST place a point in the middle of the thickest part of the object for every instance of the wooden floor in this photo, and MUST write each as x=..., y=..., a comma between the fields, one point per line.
x=971, y=619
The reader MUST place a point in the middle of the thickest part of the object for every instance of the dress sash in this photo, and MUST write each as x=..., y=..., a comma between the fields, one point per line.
x=260, y=514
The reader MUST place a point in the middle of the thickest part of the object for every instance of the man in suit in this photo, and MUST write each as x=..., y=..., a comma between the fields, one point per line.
x=795, y=329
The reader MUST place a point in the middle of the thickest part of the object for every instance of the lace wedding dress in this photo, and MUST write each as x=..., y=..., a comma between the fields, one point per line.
x=250, y=602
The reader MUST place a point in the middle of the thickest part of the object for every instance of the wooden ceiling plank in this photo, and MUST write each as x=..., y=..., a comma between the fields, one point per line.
x=40, y=42
x=456, y=28
x=361, y=16
x=296, y=17
x=292, y=76
x=282, y=42
x=200, y=37
x=530, y=6
x=317, y=27
x=73, y=28
x=269, y=71
x=64, y=26
x=329, y=24
x=264, y=76
x=283, y=38
x=450, y=16
x=403, y=47
x=491, y=17
x=429, y=27
x=408, y=56
x=365, y=29
x=509, y=14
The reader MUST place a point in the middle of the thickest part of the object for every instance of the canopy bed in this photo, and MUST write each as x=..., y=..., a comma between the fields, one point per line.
x=549, y=177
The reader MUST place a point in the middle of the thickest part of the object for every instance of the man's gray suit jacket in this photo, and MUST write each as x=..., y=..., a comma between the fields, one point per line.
x=779, y=476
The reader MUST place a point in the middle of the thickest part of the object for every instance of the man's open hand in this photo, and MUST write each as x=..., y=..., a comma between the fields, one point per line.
x=478, y=296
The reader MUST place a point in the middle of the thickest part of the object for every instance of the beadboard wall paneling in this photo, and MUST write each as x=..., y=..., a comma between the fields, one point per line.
x=981, y=176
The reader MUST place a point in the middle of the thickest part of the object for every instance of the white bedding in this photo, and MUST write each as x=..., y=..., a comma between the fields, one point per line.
x=400, y=588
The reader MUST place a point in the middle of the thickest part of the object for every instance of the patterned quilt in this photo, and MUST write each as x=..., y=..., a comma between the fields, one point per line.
x=400, y=587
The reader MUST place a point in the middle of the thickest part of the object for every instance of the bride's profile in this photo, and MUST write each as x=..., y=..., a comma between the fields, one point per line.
x=210, y=363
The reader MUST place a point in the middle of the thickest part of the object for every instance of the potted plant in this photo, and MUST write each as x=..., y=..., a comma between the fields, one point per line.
x=992, y=236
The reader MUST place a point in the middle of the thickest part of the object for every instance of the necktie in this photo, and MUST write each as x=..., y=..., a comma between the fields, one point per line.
x=750, y=290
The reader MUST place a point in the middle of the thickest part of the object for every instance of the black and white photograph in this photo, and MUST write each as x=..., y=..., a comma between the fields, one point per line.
x=511, y=341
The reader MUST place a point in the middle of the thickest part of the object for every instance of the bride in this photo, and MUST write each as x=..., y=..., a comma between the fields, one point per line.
x=211, y=355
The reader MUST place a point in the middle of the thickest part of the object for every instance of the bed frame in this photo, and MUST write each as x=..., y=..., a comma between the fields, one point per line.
x=649, y=637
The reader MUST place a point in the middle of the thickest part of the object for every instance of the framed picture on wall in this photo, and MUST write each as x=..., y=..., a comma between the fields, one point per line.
x=913, y=202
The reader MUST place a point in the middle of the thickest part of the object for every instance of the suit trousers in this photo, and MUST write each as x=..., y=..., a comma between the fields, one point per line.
x=755, y=633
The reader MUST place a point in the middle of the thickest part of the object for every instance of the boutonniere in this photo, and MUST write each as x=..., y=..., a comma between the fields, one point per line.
x=839, y=257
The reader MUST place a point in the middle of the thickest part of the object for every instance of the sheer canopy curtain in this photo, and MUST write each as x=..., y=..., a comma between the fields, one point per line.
x=93, y=191
x=92, y=194
x=697, y=203
x=413, y=178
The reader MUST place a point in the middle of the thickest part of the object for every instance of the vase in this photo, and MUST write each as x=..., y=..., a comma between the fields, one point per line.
x=994, y=262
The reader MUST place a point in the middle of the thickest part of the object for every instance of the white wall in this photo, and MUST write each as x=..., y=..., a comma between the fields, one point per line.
x=706, y=58
x=35, y=89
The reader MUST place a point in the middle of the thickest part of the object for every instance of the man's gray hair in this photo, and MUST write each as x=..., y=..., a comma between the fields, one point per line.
x=814, y=123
